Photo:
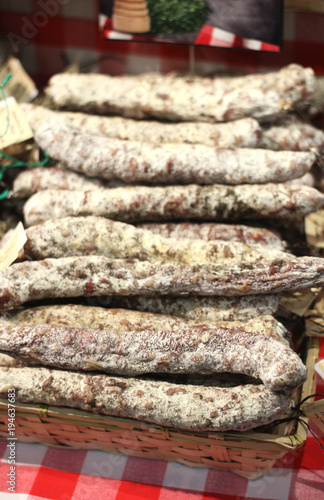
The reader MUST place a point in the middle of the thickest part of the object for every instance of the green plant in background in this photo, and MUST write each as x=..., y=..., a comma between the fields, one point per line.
x=177, y=16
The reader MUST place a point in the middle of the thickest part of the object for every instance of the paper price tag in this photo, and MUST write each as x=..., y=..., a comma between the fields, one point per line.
x=315, y=411
x=9, y=252
x=314, y=229
x=19, y=129
x=20, y=85
x=299, y=302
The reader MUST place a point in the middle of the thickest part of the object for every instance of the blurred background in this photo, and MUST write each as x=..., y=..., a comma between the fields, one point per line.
x=49, y=35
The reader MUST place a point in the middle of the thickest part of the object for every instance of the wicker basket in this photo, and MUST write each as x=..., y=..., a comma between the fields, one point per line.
x=248, y=454
x=305, y=5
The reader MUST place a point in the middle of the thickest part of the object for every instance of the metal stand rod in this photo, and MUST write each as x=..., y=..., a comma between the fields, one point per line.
x=192, y=59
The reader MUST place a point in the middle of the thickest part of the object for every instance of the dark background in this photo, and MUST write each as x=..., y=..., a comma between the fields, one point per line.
x=257, y=19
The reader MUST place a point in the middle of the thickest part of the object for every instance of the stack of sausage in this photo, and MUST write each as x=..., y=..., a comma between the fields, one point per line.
x=146, y=213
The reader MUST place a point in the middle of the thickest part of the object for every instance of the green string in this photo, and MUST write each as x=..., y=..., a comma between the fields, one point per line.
x=5, y=101
x=13, y=161
x=17, y=163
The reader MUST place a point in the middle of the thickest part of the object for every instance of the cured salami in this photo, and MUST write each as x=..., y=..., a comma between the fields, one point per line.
x=194, y=308
x=31, y=181
x=201, y=203
x=137, y=352
x=209, y=231
x=292, y=136
x=98, y=318
x=202, y=308
x=136, y=162
x=245, y=133
x=189, y=407
x=307, y=180
x=261, y=96
x=73, y=236
x=96, y=276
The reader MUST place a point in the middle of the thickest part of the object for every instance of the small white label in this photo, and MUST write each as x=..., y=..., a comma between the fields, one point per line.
x=20, y=85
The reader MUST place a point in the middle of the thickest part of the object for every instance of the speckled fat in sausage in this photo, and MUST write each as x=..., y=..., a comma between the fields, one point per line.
x=198, y=203
x=95, y=276
x=137, y=352
x=98, y=318
x=188, y=407
x=73, y=236
x=306, y=180
x=202, y=308
x=178, y=98
x=292, y=136
x=245, y=133
x=32, y=180
x=210, y=231
x=137, y=162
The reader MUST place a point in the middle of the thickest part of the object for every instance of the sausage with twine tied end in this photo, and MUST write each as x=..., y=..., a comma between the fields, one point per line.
x=200, y=203
x=183, y=98
x=96, y=276
x=136, y=162
x=188, y=407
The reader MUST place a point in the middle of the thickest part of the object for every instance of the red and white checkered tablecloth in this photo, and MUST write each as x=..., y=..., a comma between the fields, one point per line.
x=54, y=473
x=208, y=35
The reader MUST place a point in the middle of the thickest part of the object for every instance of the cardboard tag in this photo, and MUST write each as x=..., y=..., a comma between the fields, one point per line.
x=314, y=318
x=19, y=129
x=314, y=229
x=315, y=411
x=20, y=85
x=10, y=251
x=299, y=302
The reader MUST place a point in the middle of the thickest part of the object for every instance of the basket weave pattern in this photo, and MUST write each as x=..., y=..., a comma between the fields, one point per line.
x=248, y=454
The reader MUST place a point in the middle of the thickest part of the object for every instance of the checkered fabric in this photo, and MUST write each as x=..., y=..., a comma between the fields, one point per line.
x=49, y=40
x=208, y=35
x=53, y=473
